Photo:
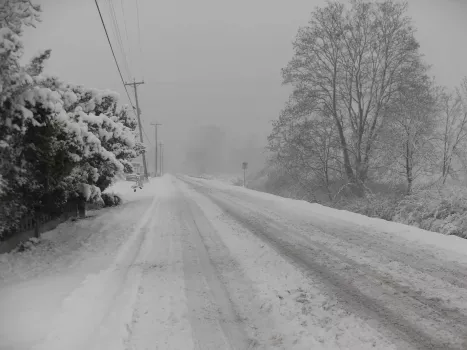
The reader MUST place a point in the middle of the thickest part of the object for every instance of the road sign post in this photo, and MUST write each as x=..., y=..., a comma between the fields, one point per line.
x=244, y=166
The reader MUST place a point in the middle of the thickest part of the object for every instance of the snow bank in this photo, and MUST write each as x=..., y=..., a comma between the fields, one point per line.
x=409, y=233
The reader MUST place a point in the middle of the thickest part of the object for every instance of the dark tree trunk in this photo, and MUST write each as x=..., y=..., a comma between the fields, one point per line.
x=81, y=208
x=408, y=168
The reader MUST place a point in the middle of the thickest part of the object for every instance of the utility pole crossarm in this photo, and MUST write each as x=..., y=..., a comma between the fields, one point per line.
x=135, y=83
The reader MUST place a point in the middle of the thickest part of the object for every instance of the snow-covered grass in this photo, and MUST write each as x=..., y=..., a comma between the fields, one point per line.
x=440, y=208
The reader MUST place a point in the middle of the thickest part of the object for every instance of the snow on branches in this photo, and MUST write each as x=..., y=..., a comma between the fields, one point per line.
x=14, y=15
x=57, y=140
x=95, y=127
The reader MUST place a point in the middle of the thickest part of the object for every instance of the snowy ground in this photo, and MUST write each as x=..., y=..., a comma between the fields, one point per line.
x=189, y=263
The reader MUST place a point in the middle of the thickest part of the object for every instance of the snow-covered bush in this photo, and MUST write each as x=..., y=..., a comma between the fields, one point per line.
x=442, y=210
x=111, y=199
x=377, y=206
x=30, y=244
x=91, y=193
x=57, y=141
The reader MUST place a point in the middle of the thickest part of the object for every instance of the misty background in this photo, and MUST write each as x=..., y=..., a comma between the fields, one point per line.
x=211, y=68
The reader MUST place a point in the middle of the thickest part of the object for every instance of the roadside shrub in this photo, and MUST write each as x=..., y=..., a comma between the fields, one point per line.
x=376, y=206
x=27, y=245
x=442, y=210
x=111, y=199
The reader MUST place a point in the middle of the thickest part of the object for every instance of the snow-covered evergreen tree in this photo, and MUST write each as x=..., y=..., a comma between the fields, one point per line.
x=57, y=140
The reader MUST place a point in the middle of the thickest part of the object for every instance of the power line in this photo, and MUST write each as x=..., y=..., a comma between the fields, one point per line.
x=113, y=16
x=119, y=42
x=117, y=33
x=139, y=39
x=124, y=20
x=125, y=27
x=113, y=53
x=147, y=137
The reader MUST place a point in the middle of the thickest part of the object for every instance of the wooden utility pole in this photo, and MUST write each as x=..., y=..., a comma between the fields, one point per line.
x=138, y=112
x=155, y=136
x=162, y=155
x=244, y=167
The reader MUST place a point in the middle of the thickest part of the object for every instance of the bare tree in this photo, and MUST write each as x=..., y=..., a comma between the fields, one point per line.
x=305, y=145
x=453, y=128
x=410, y=132
x=347, y=66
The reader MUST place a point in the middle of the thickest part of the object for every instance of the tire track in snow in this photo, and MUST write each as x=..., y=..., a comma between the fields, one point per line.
x=341, y=286
x=69, y=242
x=159, y=317
x=214, y=321
x=52, y=275
x=417, y=271
x=87, y=307
x=405, y=281
x=247, y=305
x=115, y=328
x=427, y=262
x=438, y=294
x=280, y=306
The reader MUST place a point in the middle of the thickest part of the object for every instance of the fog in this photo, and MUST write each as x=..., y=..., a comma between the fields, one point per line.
x=211, y=150
x=211, y=68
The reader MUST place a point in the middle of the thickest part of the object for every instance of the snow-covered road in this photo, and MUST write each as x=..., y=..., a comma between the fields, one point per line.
x=196, y=264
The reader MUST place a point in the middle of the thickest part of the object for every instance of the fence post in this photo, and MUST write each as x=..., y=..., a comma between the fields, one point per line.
x=36, y=225
x=81, y=208
x=74, y=205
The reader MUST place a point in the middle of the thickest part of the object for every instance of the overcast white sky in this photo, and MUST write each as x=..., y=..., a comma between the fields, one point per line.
x=212, y=61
